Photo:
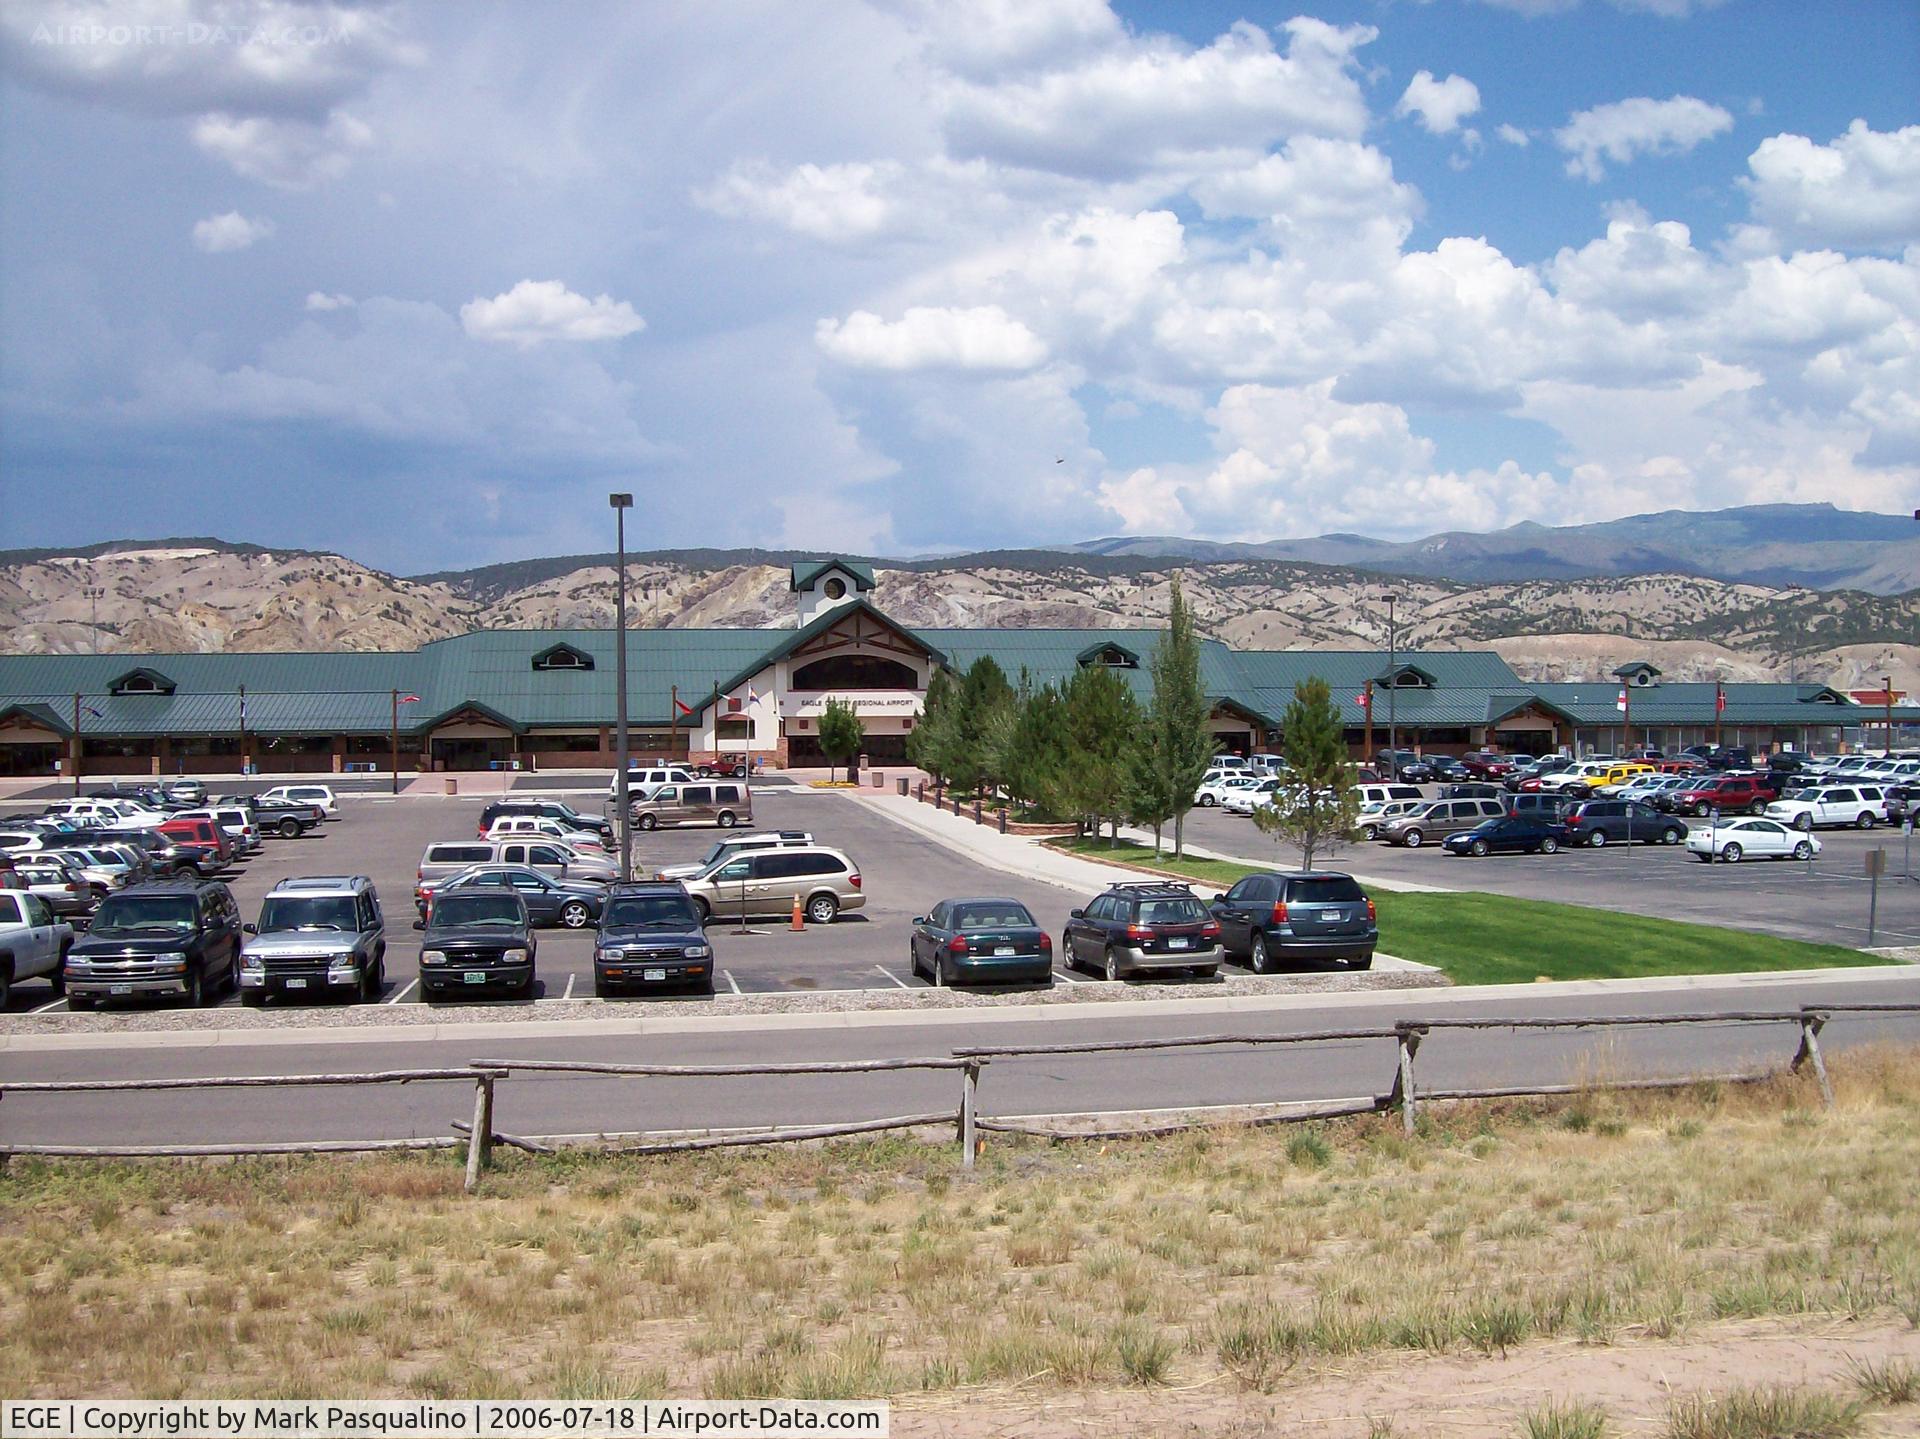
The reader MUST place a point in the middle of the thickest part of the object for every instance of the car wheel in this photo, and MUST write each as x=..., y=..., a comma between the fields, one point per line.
x=1113, y=964
x=80, y=1002
x=253, y=998
x=939, y=971
x=1412, y=839
x=1731, y=854
x=1549, y=845
x=724, y=819
x=370, y=985
x=289, y=829
x=1066, y=951
x=702, y=911
x=1478, y=849
x=1701, y=809
x=1803, y=823
x=1207, y=801
x=1803, y=850
x=197, y=991
x=822, y=909
x=601, y=990
x=1258, y=960
x=913, y=959
x=648, y=821
x=1597, y=840
x=1670, y=836
x=575, y=915
x=1370, y=831
x=1865, y=821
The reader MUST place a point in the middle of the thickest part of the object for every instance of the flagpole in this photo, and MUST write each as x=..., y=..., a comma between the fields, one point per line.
x=395, y=735
x=76, y=744
x=243, y=729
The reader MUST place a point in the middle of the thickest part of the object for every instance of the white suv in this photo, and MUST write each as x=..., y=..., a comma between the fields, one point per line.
x=1860, y=805
x=320, y=796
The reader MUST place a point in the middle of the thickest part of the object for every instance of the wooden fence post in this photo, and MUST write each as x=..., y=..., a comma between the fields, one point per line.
x=969, y=1112
x=1409, y=1037
x=480, y=1141
x=1811, y=1023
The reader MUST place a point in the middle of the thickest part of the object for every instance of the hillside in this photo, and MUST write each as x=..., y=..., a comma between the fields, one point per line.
x=207, y=595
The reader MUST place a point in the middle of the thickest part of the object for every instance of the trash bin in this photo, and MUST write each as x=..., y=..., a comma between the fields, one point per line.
x=453, y=785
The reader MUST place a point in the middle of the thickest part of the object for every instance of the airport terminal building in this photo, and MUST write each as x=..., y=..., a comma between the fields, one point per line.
x=547, y=699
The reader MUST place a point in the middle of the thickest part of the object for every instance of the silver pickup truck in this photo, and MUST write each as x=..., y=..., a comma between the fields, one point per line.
x=33, y=944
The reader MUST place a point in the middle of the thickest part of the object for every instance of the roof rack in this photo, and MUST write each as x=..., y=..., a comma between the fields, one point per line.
x=1153, y=884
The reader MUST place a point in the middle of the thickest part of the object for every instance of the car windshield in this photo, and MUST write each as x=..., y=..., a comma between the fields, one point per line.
x=992, y=914
x=311, y=911
x=1171, y=911
x=459, y=909
x=133, y=913
x=653, y=912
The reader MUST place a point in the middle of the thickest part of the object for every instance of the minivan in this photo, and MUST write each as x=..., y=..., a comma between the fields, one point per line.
x=640, y=779
x=736, y=844
x=722, y=802
x=550, y=857
x=767, y=881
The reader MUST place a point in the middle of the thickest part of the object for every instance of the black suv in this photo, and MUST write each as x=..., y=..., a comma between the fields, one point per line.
x=477, y=942
x=1310, y=916
x=650, y=935
x=172, y=938
x=546, y=809
x=1596, y=822
x=1128, y=928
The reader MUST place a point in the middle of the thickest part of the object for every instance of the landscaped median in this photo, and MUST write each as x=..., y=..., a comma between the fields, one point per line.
x=1492, y=939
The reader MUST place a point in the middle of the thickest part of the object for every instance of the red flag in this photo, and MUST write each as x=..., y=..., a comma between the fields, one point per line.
x=684, y=709
x=1364, y=700
x=1719, y=702
x=409, y=699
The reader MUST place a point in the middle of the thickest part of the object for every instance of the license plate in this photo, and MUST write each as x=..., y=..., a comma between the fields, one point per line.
x=653, y=974
x=1002, y=951
x=296, y=984
x=475, y=976
x=119, y=989
x=1177, y=943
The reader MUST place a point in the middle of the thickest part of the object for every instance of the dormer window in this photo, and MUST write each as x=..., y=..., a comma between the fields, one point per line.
x=1406, y=677
x=1112, y=656
x=141, y=682
x=563, y=657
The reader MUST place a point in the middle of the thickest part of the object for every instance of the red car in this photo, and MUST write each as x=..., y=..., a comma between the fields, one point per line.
x=1484, y=764
x=202, y=842
x=1730, y=794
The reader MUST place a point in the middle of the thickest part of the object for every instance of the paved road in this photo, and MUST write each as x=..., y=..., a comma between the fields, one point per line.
x=1046, y=1085
x=1826, y=901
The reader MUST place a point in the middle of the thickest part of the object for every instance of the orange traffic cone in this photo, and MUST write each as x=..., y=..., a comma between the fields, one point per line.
x=799, y=921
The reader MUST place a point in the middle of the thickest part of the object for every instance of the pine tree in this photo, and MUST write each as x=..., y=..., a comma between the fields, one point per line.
x=983, y=697
x=1100, y=717
x=930, y=744
x=1174, y=744
x=1038, y=761
x=1316, y=806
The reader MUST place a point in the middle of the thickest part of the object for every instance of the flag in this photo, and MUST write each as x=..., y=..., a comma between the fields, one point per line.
x=753, y=697
x=684, y=709
x=1364, y=700
x=89, y=709
x=1719, y=702
x=1621, y=703
x=409, y=699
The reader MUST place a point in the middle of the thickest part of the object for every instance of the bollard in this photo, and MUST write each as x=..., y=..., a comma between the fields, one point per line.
x=480, y=1141
x=976, y=810
x=969, y=1102
x=1003, y=819
x=1811, y=1023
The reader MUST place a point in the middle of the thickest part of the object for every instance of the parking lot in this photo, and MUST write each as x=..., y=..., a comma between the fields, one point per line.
x=1825, y=901
x=902, y=875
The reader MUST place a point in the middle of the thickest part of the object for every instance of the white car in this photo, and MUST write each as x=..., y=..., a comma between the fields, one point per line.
x=320, y=796
x=1860, y=805
x=1754, y=837
x=1242, y=801
x=1583, y=773
x=1218, y=791
x=1377, y=812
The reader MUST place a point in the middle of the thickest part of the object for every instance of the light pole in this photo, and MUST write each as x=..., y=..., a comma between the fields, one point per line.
x=93, y=593
x=621, y=504
x=1393, y=682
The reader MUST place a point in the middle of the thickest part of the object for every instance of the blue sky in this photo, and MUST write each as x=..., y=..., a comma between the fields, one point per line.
x=421, y=283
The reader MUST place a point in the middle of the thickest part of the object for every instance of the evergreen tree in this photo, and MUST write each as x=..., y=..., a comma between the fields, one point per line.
x=1100, y=717
x=1174, y=744
x=1316, y=806
x=841, y=733
x=979, y=705
x=1037, y=757
x=930, y=743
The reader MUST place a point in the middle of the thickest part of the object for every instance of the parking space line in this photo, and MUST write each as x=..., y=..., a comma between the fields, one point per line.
x=402, y=994
x=892, y=976
x=732, y=983
x=1062, y=974
x=570, y=979
x=52, y=1004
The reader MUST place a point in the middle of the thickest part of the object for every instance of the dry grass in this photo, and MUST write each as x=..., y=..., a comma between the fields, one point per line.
x=1249, y=1257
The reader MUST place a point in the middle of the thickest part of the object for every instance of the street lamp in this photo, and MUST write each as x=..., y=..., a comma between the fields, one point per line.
x=1393, y=680
x=621, y=504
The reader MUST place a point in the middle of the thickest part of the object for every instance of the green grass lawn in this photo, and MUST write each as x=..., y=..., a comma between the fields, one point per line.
x=1492, y=939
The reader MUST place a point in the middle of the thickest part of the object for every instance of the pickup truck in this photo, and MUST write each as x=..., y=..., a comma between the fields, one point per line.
x=32, y=943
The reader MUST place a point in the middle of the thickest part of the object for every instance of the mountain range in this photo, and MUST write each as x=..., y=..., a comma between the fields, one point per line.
x=1803, y=592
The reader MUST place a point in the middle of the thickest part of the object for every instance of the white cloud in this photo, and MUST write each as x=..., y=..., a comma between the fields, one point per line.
x=287, y=154
x=320, y=301
x=982, y=338
x=1512, y=134
x=1642, y=270
x=1640, y=126
x=217, y=234
x=1863, y=190
x=535, y=311
x=1316, y=189
x=827, y=202
x=1440, y=104
x=1156, y=104
x=987, y=38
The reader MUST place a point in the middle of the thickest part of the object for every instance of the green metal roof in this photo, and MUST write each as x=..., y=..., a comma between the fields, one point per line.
x=807, y=571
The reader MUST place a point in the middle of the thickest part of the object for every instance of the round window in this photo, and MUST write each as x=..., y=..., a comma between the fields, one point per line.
x=836, y=589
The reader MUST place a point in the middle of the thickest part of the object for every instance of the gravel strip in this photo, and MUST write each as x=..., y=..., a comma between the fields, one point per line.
x=840, y=1001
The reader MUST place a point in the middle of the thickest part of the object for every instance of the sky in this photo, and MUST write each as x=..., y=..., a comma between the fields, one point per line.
x=423, y=283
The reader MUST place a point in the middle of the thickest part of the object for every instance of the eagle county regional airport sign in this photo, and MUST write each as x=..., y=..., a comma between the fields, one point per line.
x=810, y=704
